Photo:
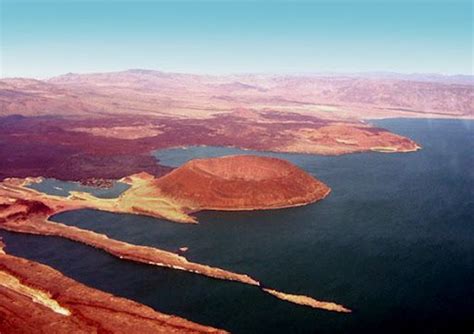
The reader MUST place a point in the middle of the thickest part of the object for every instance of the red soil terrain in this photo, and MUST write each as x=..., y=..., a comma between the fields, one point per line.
x=240, y=183
x=63, y=148
x=35, y=298
x=104, y=125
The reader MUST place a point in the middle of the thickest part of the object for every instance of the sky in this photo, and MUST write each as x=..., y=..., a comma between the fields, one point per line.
x=43, y=39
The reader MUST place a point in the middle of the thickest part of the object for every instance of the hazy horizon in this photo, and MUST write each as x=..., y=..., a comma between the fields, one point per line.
x=46, y=39
x=366, y=74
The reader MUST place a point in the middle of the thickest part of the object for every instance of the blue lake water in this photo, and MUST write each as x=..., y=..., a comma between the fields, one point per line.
x=62, y=188
x=175, y=157
x=394, y=241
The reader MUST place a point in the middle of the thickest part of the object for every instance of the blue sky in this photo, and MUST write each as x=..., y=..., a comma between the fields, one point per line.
x=42, y=39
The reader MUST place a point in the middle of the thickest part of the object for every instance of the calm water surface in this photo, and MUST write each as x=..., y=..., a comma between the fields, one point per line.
x=394, y=241
x=62, y=188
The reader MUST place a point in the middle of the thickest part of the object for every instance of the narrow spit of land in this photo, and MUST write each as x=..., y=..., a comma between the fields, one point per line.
x=26, y=210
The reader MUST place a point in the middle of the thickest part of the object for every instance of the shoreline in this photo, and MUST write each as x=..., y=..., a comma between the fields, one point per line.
x=28, y=211
x=58, y=304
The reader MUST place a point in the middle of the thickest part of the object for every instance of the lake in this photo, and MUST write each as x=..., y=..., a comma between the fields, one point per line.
x=56, y=187
x=394, y=241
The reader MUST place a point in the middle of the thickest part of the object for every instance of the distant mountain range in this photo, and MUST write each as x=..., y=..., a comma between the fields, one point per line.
x=462, y=79
x=148, y=92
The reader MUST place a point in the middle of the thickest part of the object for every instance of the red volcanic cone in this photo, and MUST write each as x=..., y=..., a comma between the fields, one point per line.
x=242, y=182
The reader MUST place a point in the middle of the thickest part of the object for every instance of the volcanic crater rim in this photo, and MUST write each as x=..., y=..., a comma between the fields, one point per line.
x=242, y=167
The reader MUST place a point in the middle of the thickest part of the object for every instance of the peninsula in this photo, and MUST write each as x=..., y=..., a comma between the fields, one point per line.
x=54, y=303
x=25, y=210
